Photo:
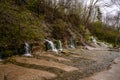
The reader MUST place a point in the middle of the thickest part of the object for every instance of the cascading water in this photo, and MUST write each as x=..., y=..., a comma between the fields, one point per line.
x=0, y=58
x=27, y=49
x=94, y=41
x=51, y=46
x=104, y=45
x=72, y=45
x=60, y=46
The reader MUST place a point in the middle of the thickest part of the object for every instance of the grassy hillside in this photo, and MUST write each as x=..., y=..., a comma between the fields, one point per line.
x=36, y=20
x=20, y=21
x=105, y=33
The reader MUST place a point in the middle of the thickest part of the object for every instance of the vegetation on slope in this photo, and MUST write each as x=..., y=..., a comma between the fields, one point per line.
x=35, y=20
x=105, y=33
x=22, y=21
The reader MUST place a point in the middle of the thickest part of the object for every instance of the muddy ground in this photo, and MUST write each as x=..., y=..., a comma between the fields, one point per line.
x=74, y=64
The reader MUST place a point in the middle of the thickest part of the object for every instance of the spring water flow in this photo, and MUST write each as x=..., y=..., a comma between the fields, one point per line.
x=1, y=58
x=94, y=41
x=72, y=45
x=27, y=49
x=60, y=46
x=51, y=46
x=102, y=44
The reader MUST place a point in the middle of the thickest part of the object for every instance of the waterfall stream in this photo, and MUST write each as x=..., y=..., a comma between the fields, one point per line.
x=72, y=44
x=60, y=46
x=95, y=41
x=51, y=46
x=27, y=49
x=1, y=58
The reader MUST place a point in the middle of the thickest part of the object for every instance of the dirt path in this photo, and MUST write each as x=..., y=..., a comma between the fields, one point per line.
x=73, y=65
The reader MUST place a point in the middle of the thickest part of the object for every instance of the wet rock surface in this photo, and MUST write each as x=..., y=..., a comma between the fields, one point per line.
x=76, y=64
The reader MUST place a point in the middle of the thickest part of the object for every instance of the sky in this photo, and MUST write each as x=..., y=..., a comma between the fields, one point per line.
x=111, y=10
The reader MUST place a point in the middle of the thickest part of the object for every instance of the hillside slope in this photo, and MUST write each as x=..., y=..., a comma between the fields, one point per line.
x=20, y=22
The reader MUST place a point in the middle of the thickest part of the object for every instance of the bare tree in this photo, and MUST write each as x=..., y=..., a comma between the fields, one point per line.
x=114, y=22
x=90, y=9
x=116, y=2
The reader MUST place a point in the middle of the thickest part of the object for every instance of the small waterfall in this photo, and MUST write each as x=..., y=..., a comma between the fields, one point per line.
x=60, y=46
x=103, y=45
x=94, y=41
x=51, y=46
x=1, y=58
x=72, y=44
x=27, y=49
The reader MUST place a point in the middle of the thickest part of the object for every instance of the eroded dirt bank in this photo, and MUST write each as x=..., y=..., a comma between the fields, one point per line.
x=72, y=65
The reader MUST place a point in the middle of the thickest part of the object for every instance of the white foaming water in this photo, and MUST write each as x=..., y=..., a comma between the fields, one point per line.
x=27, y=49
x=104, y=45
x=53, y=48
x=72, y=45
x=1, y=58
x=94, y=41
x=60, y=46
